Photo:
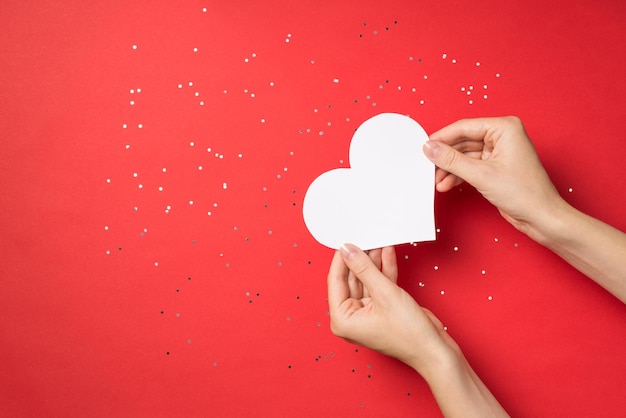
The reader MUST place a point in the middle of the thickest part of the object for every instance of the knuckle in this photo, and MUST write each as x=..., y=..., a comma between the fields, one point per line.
x=448, y=159
x=360, y=266
x=336, y=328
x=514, y=121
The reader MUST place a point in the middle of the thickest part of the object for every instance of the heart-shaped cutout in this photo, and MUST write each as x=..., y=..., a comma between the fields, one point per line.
x=385, y=198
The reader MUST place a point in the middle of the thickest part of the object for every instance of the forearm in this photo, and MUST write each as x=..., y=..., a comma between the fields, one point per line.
x=460, y=392
x=591, y=246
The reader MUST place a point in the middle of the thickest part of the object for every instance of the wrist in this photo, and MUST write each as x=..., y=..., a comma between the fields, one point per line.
x=445, y=362
x=552, y=223
x=459, y=391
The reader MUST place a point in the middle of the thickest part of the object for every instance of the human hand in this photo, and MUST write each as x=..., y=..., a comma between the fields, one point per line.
x=368, y=307
x=496, y=156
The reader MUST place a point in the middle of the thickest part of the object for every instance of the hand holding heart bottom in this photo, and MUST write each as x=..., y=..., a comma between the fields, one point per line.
x=385, y=198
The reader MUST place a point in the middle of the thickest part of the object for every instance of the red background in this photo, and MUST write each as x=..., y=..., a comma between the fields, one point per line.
x=114, y=305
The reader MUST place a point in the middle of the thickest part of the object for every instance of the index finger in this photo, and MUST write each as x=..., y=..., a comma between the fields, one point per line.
x=472, y=130
x=338, y=289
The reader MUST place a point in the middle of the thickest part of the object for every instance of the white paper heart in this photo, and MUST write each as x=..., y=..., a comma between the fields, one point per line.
x=385, y=198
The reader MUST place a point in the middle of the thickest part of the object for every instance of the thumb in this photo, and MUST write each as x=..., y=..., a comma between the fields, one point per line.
x=364, y=269
x=453, y=161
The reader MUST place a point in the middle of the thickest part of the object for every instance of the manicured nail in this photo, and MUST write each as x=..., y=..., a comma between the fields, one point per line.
x=431, y=148
x=348, y=251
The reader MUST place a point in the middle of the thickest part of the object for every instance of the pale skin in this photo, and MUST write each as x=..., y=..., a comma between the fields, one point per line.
x=495, y=156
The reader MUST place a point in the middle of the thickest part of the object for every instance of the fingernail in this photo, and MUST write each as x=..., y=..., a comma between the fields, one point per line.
x=431, y=148
x=348, y=251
